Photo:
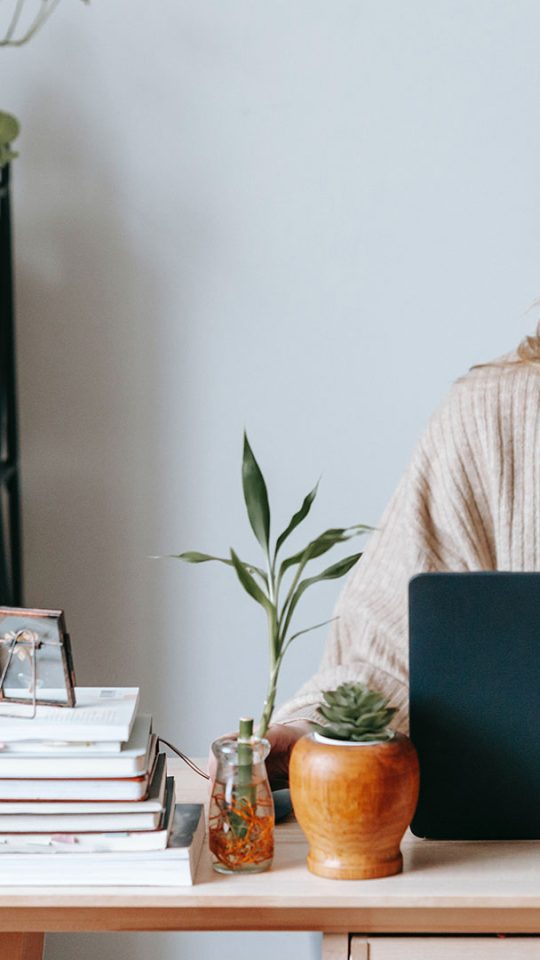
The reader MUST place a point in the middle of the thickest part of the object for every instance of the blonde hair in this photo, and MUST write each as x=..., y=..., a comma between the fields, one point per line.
x=529, y=348
x=527, y=352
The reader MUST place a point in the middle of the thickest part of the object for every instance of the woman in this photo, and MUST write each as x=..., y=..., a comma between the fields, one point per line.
x=469, y=500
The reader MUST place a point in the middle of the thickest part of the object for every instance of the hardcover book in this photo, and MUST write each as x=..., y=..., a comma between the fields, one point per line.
x=68, y=841
x=173, y=867
x=79, y=788
x=19, y=816
x=133, y=759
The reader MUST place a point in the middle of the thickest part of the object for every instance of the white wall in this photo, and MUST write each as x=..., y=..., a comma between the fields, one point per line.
x=306, y=217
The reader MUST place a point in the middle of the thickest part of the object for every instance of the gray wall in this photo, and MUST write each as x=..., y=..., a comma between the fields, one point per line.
x=302, y=217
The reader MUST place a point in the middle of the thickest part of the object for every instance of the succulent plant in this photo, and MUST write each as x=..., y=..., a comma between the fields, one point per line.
x=354, y=712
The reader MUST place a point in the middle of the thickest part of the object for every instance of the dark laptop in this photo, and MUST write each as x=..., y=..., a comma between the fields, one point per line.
x=475, y=704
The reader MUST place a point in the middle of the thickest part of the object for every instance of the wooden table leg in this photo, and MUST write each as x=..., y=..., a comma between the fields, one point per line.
x=359, y=949
x=335, y=946
x=21, y=946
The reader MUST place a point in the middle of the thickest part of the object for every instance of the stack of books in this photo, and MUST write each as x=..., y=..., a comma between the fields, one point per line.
x=85, y=797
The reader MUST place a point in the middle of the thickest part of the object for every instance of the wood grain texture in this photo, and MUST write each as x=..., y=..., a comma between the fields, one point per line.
x=335, y=946
x=246, y=917
x=354, y=802
x=358, y=949
x=450, y=888
x=21, y=946
x=449, y=948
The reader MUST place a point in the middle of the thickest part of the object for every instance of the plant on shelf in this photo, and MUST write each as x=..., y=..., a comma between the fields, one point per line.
x=241, y=813
x=353, y=712
x=17, y=30
x=9, y=131
x=354, y=786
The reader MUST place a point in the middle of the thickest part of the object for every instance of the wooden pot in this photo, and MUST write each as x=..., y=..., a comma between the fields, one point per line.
x=354, y=802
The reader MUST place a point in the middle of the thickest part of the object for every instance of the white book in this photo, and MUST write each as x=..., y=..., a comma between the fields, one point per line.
x=80, y=788
x=100, y=713
x=59, y=748
x=132, y=761
x=152, y=802
x=71, y=842
x=57, y=816
x=174, y=866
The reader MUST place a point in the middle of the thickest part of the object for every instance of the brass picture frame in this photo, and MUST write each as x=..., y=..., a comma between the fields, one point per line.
x=36, y=662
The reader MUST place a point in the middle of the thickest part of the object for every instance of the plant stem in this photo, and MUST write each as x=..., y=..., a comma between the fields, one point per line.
x=14, y=21
x=270, y=700
x=245, y=752
x=35, y=25
x=245, y=790
x=285, y=613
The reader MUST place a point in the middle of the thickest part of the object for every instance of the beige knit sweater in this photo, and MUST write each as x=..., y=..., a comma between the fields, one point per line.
x=469, y=500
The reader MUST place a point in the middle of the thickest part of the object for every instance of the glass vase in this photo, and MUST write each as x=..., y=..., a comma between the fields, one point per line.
x=241, y=817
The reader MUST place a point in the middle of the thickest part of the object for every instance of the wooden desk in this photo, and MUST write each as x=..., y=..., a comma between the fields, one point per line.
x=455, y=889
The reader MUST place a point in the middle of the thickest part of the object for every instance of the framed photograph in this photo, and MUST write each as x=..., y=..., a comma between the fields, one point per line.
x=36, y=663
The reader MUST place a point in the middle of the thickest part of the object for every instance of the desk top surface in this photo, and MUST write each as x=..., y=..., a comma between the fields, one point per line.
x=445, y=886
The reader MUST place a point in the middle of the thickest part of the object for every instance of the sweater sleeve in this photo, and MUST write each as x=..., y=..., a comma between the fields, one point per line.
x=438, y=519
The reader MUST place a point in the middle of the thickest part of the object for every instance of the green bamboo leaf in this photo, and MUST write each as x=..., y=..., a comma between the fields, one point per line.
x=255, y=496
x=309, y=629
x=322, y=544
x=249, y=584
x=298, y=517
x=315, y=548
x=323, y=541
x=193, y=556
x=338, y=569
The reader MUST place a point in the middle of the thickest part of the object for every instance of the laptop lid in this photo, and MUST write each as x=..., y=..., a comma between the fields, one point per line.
x=475, y=704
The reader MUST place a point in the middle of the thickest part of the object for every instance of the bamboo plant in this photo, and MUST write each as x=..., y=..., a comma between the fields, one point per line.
x=279, y=584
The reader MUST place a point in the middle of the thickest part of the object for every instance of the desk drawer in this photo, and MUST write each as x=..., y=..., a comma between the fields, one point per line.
x=445, y=948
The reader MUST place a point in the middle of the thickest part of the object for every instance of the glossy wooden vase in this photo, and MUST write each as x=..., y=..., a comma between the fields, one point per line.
x=354, y=802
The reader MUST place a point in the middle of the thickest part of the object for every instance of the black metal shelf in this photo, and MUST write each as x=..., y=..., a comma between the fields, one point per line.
x=10, y=516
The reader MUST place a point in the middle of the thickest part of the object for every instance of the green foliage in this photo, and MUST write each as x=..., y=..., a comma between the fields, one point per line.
x=193, y=556
x=354, y=712
x=18, y=31
x=249, y=583
x=255, y=496
x=321, y=545
x=300, y=515
x=265, y=586
x=20, y=28
x=9, y=131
